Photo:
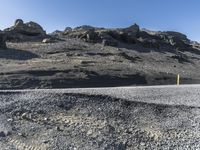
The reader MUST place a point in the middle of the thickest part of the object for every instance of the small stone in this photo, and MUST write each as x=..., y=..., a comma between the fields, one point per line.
x=22, y=134
x=2, y=134
x=23, y=115
x=60, y=128
x=142, y=144
x=26, y=116
x=10, y=120
x=46, y=141
x=89, y=132
x=47, y=40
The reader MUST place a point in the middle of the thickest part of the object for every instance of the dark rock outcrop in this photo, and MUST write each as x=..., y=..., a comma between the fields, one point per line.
x=177, y=39
x=157, y=39
x=25, y=31
x=109, y=37
x=107, y=40
x=130, y=34
x=2, y=40
x=32, y=31
x=56, y=33
x=30, y=28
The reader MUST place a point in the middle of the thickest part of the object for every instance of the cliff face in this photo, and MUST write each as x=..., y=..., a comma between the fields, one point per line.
x=87, y=56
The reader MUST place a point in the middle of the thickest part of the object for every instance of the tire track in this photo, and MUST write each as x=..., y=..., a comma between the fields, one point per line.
x=19, y=145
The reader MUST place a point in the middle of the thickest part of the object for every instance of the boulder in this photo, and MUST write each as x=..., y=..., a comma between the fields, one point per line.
x=47, y=40
x=19, y=23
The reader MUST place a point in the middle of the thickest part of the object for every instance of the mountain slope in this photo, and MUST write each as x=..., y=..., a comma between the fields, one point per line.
x=93, y=57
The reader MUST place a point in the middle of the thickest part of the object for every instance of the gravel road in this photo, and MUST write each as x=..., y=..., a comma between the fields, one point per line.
x=121, y=118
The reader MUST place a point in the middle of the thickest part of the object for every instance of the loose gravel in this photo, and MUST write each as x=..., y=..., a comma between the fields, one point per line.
x=60, y=121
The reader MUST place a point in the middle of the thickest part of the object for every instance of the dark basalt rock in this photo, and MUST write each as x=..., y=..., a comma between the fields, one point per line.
x=29, y=28
x=109, y=37
x=156, y=39
x=2, y=40
x=25, y=31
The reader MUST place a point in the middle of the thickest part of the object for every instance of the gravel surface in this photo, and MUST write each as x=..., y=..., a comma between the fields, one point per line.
x=58, y=120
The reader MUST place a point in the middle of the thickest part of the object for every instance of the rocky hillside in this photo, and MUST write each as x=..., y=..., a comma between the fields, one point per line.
x=87, y=56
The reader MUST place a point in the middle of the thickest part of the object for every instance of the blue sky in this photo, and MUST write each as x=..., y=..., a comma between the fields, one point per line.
x=177, y=15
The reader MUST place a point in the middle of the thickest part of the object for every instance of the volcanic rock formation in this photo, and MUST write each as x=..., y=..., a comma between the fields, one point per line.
x=129, y=35
x=25, y=31
x=89, y=56
x=2, y=40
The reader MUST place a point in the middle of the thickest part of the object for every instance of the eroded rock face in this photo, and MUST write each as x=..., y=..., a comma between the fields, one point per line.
x=110, y=37
x=2, y=40
x=30, y=28
x=130, y=35
x=25, y=31
x=156, y=39
x=132, y=31
x=177, y=39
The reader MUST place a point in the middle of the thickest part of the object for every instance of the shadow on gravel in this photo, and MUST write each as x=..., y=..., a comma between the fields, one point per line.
x=17, y=54
x=124, y=103
x=33, y=79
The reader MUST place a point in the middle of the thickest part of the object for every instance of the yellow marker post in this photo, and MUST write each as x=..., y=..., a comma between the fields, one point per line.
x=178, y=79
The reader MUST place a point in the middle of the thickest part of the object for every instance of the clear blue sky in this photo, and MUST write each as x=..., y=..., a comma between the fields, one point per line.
x=178, y=15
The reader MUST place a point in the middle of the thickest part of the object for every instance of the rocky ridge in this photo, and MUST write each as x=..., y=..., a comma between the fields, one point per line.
x=31, y=31
x=130, y=35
